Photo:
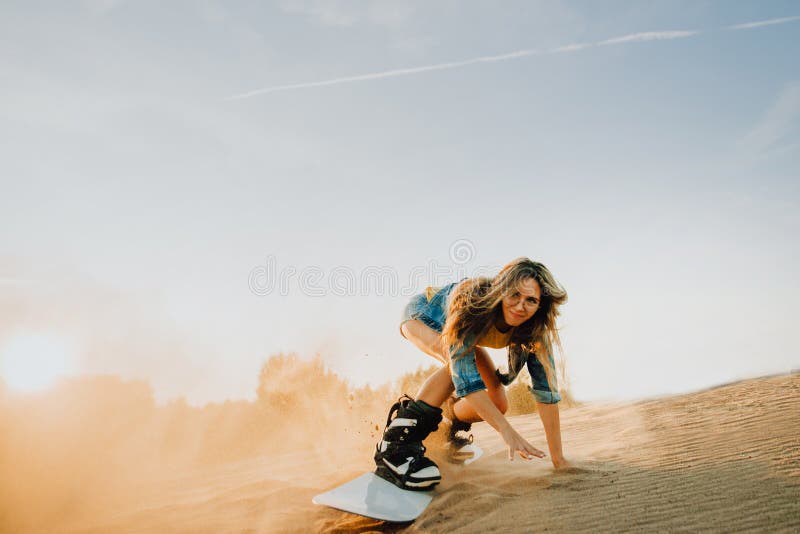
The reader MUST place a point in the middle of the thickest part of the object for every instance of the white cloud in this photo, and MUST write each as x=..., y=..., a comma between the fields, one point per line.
x=776, y=128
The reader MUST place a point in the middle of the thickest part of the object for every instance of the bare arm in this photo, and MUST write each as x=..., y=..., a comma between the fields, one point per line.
x=551, y=421
x=488, y=411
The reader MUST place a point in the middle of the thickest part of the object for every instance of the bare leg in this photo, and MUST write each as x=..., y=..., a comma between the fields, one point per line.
x=425, y=338
x=436, y=387
x=439, y=386
x=496, y=390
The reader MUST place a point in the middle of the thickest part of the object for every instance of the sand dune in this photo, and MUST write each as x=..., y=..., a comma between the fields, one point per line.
x=725, y=459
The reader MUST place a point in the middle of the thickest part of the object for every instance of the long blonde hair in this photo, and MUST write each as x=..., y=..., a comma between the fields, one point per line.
x=476, y=303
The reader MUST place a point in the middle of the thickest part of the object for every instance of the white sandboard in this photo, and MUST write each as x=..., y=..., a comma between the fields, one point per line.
x=471, y=451
x=371, y=496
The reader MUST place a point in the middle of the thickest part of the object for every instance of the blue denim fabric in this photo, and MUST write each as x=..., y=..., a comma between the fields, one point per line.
x=433, y=313
x=541, y=388
x=466, y=377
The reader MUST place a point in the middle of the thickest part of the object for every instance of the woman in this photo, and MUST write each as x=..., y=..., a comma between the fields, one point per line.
x=515, y=309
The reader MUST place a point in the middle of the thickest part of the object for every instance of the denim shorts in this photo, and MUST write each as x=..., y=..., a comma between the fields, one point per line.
x=433, y=313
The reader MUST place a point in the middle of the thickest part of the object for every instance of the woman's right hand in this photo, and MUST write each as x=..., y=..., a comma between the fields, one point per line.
x=518, y=444
x=483, y=405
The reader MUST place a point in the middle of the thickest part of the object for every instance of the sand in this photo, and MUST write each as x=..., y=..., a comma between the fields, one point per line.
x=724, y=459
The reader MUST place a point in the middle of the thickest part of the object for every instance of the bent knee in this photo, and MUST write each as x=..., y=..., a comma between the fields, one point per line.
x=404, y=329
x=414, y=328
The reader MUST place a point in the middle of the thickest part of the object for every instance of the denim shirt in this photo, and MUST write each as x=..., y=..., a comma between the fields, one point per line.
x=467, y=378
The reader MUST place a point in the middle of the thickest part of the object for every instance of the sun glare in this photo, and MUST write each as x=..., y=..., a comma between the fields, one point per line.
x=33, y=362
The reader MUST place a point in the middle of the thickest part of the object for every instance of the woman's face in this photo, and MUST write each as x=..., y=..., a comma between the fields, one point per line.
x=521, y=304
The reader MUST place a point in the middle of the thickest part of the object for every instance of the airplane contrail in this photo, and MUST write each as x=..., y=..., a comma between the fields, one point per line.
x=646, y=36
x=388, y=73
x=758, y=24
x=630, y=38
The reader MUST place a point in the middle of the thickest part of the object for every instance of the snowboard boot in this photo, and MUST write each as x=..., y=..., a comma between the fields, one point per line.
x=457, y=433
x=458, y=437
x=457, y=441
x=400, y=455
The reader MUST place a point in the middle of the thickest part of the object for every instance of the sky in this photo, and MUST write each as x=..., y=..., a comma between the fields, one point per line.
x=191, y=187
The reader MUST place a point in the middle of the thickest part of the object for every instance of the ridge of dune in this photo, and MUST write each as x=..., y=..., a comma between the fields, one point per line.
x=723, y=459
